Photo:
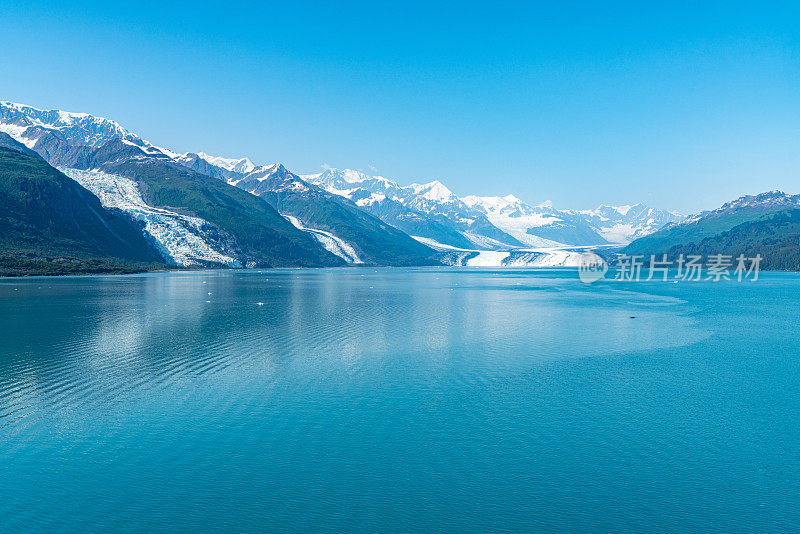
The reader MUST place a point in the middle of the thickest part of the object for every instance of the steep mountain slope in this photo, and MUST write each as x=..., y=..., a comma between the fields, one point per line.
x=197, y=219
x=315, y=209
x=6, y=141
x=410, y=221
x=708, y=224
x=776, y=237
x=183, y=239
x=258, y=234
x=49, y=224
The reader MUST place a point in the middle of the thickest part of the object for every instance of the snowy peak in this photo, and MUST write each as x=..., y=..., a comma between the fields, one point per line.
x=492, y=203
x=606, y=224
x=76, y=127
x=622, y=210
x=273, y=170
x=264, y=172
x=349, y=176
x=507, y=206
x=435, y=191
x=539, y=226
x=241, y=165
x=432, y=202
x=508, y=215
x=768, y=199
x=28, y=124
x=623, y=224
x=766, y=202
x=344, y=182
x=274, y=177
x=613, y=212
x=348, y=182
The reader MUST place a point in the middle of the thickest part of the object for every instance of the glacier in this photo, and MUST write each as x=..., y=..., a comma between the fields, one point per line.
x=183, y=239
x=332, y=243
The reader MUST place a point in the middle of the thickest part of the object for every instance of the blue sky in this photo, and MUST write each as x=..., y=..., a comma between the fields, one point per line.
x=677, y=105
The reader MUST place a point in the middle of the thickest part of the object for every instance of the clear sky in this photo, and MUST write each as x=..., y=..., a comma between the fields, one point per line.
x=679, y=105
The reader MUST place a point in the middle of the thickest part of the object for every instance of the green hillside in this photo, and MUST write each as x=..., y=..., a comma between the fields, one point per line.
x=776, y=237
x=49, y=224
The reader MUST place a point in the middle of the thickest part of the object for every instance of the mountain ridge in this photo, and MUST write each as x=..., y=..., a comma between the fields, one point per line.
x=695, y=228
x=378, y=220
x=243, y=223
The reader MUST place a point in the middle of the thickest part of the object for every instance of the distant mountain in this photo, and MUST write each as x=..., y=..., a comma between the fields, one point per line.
x=536, y=226
x=413, y=222
x=623, y=224
x=428, y=210
x=196, y=219
x=49, y=224
x=605, y=225
x=708, y=224
x=434, y=213
x=222, y=168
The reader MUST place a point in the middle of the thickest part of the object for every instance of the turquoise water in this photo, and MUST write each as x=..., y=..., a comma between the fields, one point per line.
x=398, y=400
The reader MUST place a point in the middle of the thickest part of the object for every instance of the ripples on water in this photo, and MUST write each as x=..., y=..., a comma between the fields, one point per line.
x=396, y=400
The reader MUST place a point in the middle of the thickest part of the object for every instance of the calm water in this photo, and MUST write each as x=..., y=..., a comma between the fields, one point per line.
x=398, y=400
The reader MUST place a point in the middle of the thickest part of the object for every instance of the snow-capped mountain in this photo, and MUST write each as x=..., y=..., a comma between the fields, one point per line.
x=25, y=123
x=604, y=225
x=427, y=210
x=81, y=142
x=337, y=223
x=745, y=206
x=67, y=139
x=74, y=138
x=769, y=201
x=223, y=168
x=213, y=223
x=536, y=226
x=623, y=224
x=494, y=223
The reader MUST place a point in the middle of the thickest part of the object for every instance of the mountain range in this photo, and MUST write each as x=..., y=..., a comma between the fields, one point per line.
x=767, y=224
x=196, y=209
x=434, y=214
